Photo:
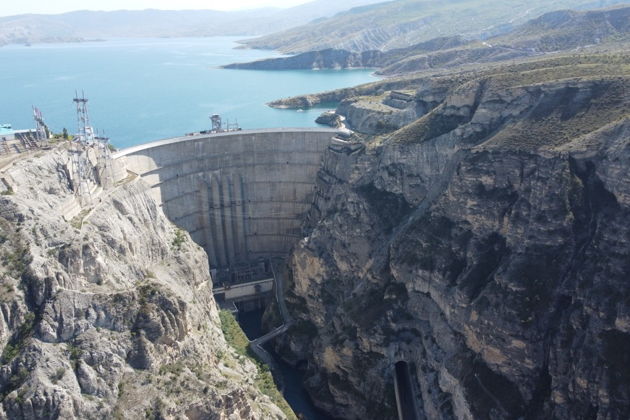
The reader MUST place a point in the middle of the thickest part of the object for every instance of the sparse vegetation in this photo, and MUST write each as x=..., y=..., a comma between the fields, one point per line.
x=234, y=335
x=553, y=120
x=75, y=354
x=15, y=381
x=20, y=339
x=58, y=375
x=15, y=255
x=178, y=240
x=16, y=260
x=172, y=368
x=77, y=221
x=237, y=339
x=406, y=20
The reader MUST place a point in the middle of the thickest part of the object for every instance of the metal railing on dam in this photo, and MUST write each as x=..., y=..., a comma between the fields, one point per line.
x=241, y=195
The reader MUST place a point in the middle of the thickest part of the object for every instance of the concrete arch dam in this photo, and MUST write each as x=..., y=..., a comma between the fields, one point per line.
x=241, y=195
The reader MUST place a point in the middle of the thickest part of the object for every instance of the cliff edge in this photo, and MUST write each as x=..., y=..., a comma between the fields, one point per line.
x=108, y=312
x=486, y=245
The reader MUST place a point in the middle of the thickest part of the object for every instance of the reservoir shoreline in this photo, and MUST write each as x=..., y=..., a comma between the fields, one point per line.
x=141, y=90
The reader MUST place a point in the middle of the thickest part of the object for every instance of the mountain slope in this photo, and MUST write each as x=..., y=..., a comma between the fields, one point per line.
x=555, y=31
x=162, y=23
x=110, y=314
x=402, y=23
x=332, y=58
x=552, y=32
x=567, y=29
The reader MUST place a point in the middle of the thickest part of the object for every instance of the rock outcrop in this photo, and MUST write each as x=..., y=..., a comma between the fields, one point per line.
x=109, y=314
x=390, y=111
x=331, y=119
x=486, y=245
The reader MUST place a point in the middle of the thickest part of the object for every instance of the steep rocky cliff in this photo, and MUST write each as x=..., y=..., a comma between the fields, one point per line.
x=486, y=245
x=109, y=314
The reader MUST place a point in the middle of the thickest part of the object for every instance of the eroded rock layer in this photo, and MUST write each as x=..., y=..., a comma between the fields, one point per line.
x=109, y=314
x=486, y=245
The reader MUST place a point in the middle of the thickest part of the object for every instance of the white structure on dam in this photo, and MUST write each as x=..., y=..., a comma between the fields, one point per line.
x=241, y=195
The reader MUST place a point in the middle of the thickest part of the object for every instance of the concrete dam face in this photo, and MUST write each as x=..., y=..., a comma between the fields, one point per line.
x=241, y=195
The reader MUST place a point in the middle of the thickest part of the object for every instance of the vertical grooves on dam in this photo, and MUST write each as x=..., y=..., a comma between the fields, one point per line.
x=217, y=235
x=239, y=218
x=206, y=219
x=228, y=217
x=241, y=195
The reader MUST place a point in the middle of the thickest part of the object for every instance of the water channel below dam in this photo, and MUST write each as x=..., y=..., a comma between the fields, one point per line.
x=294, y=392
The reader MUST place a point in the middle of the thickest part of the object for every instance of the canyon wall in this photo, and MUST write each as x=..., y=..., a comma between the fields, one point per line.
x=109, y=313
x=486, y=245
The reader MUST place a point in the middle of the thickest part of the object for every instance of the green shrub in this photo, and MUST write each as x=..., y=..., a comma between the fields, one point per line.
x=178, y=241
x=19, y=339
x=237, y=339
x=17, y=259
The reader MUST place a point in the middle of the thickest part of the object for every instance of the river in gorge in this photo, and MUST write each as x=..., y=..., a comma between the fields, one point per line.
x=292, y=378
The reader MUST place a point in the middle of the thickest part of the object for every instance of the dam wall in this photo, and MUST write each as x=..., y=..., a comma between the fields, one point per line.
x=241, y=195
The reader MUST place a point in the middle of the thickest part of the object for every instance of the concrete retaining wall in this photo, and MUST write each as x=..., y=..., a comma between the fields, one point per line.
x=241, y=195
x=245, y=291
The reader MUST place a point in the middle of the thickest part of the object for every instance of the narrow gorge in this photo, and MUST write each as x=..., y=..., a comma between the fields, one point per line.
x=107, y=307
x=486, y=246
x=462, y=254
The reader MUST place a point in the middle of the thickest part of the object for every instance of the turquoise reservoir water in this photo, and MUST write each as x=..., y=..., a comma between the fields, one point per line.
x=146, y=89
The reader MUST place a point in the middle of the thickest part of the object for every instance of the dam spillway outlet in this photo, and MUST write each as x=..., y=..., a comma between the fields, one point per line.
x=404, y=389
x=241, y=195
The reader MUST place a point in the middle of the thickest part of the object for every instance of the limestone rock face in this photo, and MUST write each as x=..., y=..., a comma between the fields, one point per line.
x=107, y=315
x=486, y=244
x=330, y=118
x=387, y=112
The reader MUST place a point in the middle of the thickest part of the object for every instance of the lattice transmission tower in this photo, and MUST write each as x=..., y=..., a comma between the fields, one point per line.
x=41, y=130
x=85, y=132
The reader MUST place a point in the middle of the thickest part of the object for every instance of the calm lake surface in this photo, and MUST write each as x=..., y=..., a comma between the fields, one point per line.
x=142, y=90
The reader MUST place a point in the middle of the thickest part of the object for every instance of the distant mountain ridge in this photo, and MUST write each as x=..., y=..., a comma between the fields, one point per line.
x=555, y=31
x=398, y=24
x=82, y=25
x=341, y=59
x=566, y=29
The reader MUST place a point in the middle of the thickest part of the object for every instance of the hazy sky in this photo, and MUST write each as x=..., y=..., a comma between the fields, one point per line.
x=59, y=6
